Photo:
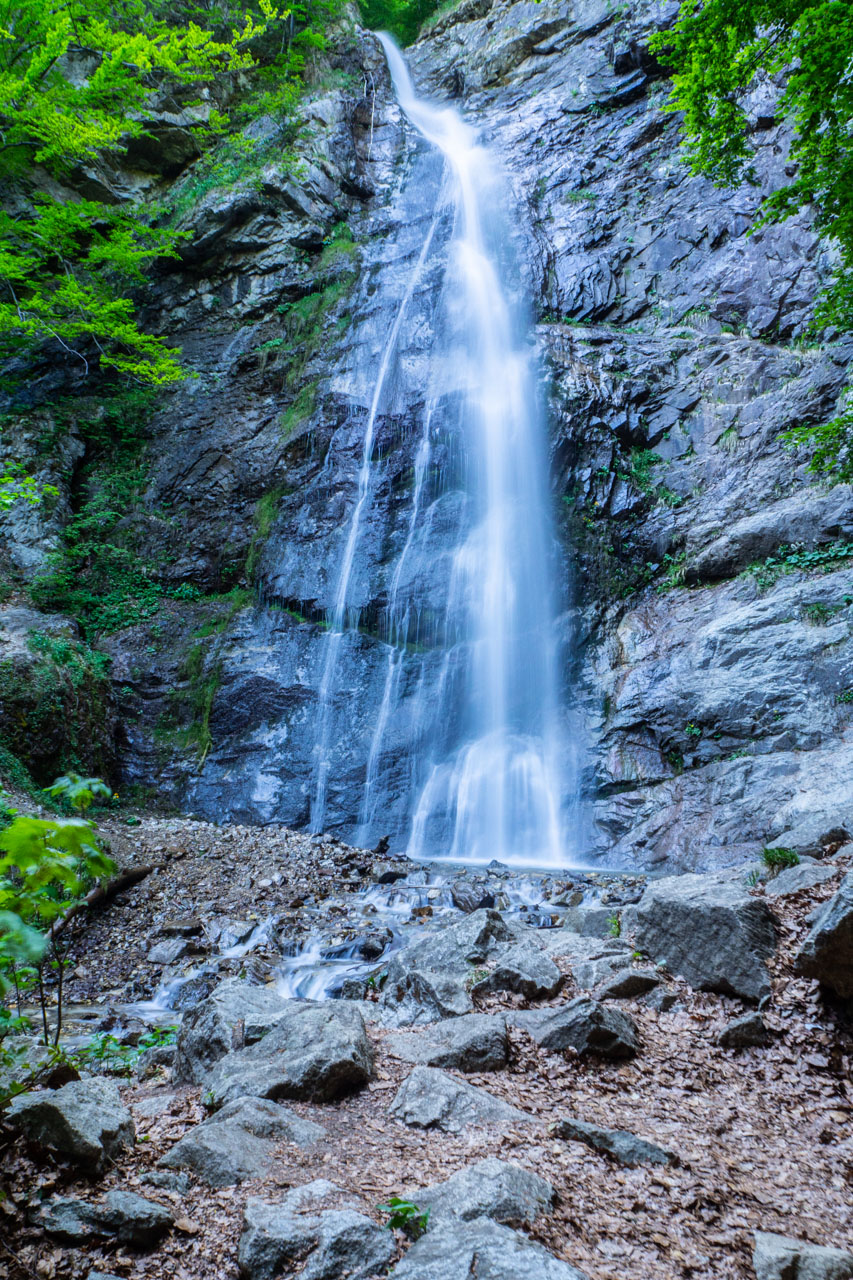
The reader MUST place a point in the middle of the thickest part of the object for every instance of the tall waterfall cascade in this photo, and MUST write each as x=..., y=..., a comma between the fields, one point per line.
x=488, y=758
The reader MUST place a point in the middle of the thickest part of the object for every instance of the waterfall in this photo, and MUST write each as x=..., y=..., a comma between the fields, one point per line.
x=486, y=753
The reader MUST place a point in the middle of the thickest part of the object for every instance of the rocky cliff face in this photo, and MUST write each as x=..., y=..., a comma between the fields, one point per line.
x=715, y=696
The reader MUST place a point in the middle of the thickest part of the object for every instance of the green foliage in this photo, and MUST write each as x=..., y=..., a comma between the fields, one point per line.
x=75, y=78
x=675, y=571
x=265, y=513
x=614, y=925
x=719, y=49
x=106, y=1054
x=47, y=865
x=405, y=1216
x=824, y=559
x=402, y=18
x=778, y=859
x=79, y=792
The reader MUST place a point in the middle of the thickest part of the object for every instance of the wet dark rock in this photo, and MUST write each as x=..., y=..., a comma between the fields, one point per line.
x=584, y=1025
x=459, y=1250
x=524, y=969
x=389, y=872
x=473, y=1042
x=781, y=1258
x=827, y=953
x=744, y=1033
x=490, y=1188
x=238, y=1142
x=625, y=1147
x=315, y=1228
x=84, y=1120
x=313, y=1052
x=709, y=930
x=430, y=1099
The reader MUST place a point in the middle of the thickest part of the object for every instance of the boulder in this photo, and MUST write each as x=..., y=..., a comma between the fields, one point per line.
x=827, y=953
x=583, y=1025
x=490, y=1188
x=315, y=1229
x=430, y=1099
x=709, y=929
x=589, y=974
x=625, y=1147
x=590, y=920
x=628, y=984
x=474, y=1042
x=238, y=1142
x=169, y=951
x=744, y=1033
x=233, y=1015
x=795, y=879
x=123, y=1216
x=460, y=1250
x=453, y=949
x=416, y=998
x=525, y=969
x=313, y=1052
x=782, y=1258
x=85, y=1120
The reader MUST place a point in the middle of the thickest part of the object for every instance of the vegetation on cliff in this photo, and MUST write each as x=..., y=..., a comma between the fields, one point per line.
x=720, y=51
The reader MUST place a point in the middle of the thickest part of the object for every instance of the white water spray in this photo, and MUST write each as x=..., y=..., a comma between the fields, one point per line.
x=499, y=792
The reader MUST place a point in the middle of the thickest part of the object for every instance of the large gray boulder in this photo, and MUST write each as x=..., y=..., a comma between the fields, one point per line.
x=85, y=1120
x=781, y=1258
x=419, y=997
x=460, y=1250
x=525, y=969
x=315, y=1229
x=490, y=1188
x=455, y=949
x=313, y=1052
x=585, y=1025
x=474, y=1042
x=626, y=1147
x=796, y=879
x=430, y=1099
x=239, y=1141
x=234, y=1015
x=827, y=953
x=708, y=929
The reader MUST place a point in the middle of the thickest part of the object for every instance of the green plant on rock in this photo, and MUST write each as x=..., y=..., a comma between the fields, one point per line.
x=675, y=571
x=405, y=1216
x=614, y=925
x=719, y=50
x=823, y=559
x=776, y=859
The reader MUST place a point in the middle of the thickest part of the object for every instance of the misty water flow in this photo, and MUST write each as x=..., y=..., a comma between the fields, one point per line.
x=491, y=778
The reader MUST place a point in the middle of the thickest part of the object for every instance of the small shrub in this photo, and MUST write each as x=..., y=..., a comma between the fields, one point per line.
x=778, y=858
x=614, y=926
x=405, y=1216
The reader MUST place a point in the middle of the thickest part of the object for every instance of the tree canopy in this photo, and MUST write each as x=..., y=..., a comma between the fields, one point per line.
x=74, y=79
x=719, y=49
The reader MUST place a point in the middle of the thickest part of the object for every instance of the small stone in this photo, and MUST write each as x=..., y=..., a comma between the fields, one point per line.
x=583, y=1025
x=626, y=1147
x=134, y=1220
x=782, y=1258
x=744, y=1033
x=490, y=1188
x=168, y=952
x=429, y=1099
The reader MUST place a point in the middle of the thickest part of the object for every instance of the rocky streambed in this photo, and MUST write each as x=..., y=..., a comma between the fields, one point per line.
x=577, y=1075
